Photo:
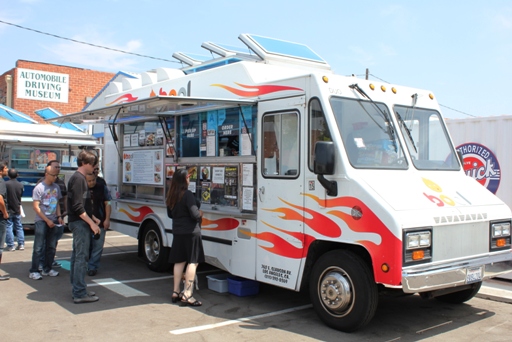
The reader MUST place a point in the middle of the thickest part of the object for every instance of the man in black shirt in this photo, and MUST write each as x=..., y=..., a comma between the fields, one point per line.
x=82, y=226
x=14, y=193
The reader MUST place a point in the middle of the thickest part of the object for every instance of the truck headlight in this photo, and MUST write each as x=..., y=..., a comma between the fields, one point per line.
x=500, y=229
x=417, y=245
x=418, y=240
x=499, y=235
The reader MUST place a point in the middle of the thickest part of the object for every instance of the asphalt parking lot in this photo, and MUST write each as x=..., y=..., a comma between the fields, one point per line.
x=135, y=305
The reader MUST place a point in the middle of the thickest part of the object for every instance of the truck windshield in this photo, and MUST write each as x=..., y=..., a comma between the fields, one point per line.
x=368, y=134
x=426, y=139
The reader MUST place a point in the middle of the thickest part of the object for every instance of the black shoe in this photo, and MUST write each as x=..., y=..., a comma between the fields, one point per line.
x=92, y=273
x=177, y=298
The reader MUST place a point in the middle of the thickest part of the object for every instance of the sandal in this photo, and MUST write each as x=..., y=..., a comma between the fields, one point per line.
x=188, y=301
x=178, y=297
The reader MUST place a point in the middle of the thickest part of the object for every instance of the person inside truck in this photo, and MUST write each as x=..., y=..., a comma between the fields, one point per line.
x=233, y=146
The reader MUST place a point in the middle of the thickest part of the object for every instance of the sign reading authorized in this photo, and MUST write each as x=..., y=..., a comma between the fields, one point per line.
x=42, y=85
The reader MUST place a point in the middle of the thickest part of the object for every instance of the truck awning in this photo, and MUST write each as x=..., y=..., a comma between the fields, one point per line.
x=154, y=106
x=25, y=139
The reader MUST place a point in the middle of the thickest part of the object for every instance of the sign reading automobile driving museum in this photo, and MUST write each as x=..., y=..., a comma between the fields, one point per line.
x=42, y=85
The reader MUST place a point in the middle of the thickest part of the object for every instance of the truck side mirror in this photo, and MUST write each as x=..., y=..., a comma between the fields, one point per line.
x=324, y=165
x=324, y=158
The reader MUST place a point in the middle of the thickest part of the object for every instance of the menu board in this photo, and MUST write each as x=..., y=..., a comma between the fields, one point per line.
x=143, y=167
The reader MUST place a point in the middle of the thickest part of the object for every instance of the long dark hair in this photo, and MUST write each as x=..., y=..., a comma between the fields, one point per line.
x=177, y=189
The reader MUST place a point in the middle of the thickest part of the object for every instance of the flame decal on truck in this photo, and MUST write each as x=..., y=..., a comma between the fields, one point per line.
x=259, y=90
x=141, y=213
x=123, y=99
x=220, y=224
x=387, y=251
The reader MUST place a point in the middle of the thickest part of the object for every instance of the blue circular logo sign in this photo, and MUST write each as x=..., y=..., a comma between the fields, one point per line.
x=481, y=164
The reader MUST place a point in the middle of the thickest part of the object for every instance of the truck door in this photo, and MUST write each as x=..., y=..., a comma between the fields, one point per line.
x=280, y=224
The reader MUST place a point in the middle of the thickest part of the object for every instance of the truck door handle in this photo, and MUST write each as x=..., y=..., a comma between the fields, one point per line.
x=261, y=192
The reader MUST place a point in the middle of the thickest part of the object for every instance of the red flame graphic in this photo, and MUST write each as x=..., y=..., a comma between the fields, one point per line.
x=318, y=222
x=389, y=251
x=123, y=99
x=281, y=246
x=142, y=212
x=260, y=90
x=220, y=224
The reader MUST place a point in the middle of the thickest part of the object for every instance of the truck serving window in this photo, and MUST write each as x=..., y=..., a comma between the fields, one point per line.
x=368, y=134
x=426, y=139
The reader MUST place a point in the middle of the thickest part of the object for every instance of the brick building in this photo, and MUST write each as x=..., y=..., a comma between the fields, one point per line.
x=33, y=85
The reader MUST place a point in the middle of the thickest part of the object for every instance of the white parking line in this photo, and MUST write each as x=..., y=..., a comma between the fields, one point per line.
x=130, y=281
x=235, y=321
x=119, y=287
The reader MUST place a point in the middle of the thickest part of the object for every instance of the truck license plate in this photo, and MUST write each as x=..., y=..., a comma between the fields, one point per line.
x=473, y=275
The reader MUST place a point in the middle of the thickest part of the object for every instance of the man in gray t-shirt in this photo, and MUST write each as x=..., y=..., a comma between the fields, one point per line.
x=46, y=196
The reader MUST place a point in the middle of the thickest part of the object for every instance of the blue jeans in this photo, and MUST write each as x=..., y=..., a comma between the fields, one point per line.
x=95, y=251
x=14, y=222
x=3, y=224
x=43, y=235
x=79, y=257
x=58, y=234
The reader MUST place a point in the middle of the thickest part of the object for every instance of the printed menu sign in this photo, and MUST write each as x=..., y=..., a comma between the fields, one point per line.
x=143, y=167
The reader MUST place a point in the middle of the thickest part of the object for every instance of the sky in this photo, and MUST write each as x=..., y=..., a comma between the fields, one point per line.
x=459, y=50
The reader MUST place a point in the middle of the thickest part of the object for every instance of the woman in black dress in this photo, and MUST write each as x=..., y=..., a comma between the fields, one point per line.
x=187, y=246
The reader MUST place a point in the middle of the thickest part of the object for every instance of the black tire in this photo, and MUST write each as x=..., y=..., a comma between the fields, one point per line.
x=343, y=291
x=155, y=254
x=460, y=297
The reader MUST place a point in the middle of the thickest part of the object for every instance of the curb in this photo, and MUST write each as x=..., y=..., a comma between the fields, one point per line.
x=494, y=294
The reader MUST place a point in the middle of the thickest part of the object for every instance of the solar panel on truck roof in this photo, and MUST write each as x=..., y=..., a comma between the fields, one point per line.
x=265, y=47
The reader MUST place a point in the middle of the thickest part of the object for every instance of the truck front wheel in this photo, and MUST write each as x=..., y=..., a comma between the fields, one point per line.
x=155, y=254
x=343, y=291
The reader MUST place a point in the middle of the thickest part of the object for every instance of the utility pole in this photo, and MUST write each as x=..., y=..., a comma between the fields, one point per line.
x=367, y=73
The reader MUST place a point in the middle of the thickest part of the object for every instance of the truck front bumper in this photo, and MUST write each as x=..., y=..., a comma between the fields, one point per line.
x=441, y=277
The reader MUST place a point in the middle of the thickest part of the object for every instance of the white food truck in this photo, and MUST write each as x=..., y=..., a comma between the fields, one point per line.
x=307, y=179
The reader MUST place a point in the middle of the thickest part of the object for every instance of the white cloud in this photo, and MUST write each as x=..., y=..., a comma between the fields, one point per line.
x=502, y=21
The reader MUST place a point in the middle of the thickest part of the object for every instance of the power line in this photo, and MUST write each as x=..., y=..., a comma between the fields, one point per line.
x=85, y=43
x=455, y=110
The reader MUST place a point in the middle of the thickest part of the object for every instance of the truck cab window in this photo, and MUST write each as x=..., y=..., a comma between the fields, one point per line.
x=368, y=134
x=426, y=139
x=281, y=145
x=318, y=129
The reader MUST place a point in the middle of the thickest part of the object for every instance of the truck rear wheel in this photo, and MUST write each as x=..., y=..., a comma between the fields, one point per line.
x=343, y=291
x=460, y=296
x=155, y=254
